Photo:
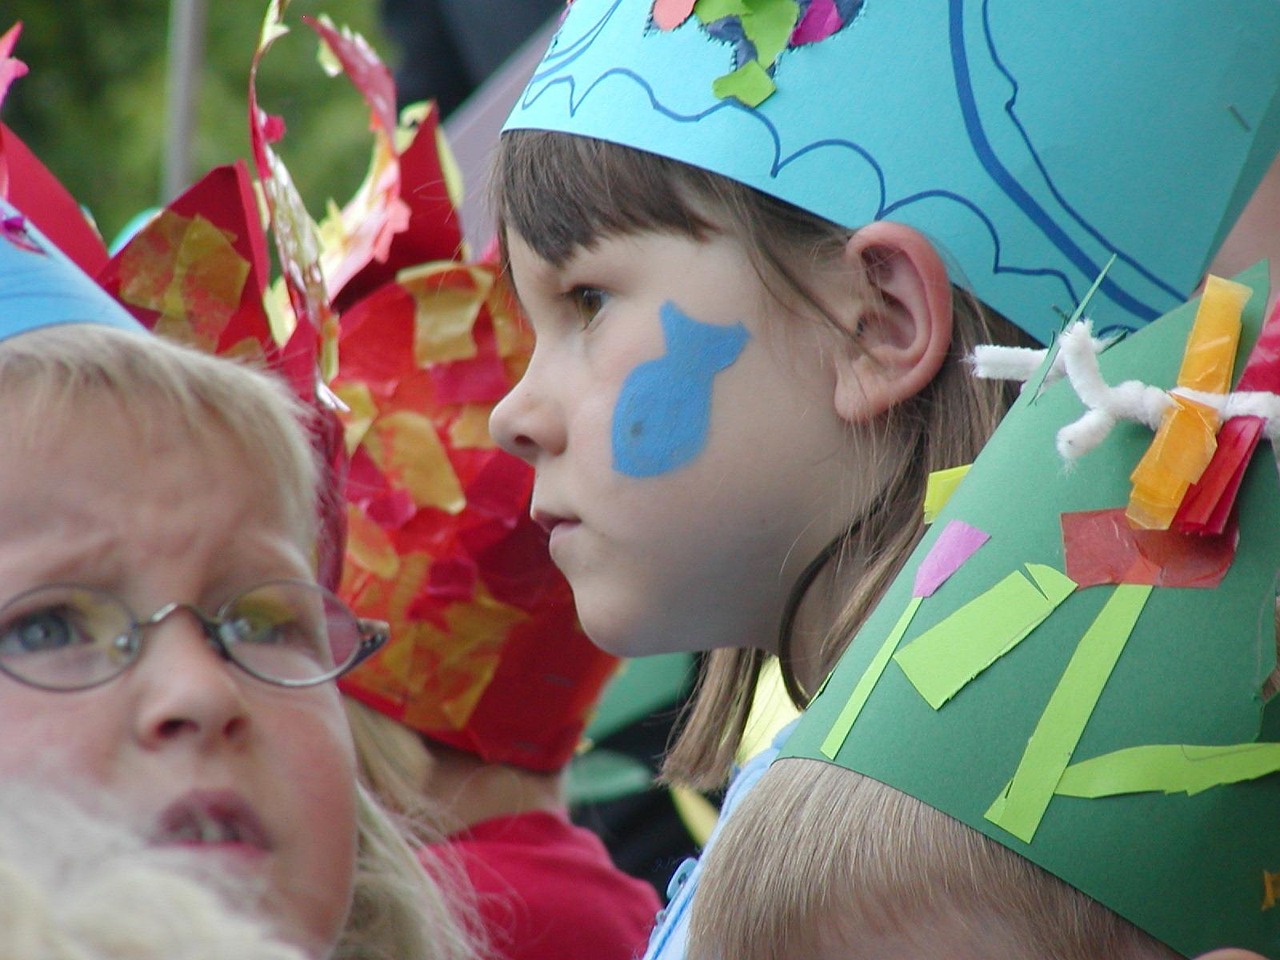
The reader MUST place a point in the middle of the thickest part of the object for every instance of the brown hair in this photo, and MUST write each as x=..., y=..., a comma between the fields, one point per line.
x=865, y=863
x=562, y=192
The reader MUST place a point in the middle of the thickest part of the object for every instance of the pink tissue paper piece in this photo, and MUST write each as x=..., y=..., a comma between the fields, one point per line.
x=956, y=544
x=820, y=21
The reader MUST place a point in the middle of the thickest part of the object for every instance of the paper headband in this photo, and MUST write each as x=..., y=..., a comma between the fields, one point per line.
x=1030, y=141
x=41, y=287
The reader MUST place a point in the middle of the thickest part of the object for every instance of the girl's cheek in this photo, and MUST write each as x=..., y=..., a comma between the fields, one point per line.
x=662, y=418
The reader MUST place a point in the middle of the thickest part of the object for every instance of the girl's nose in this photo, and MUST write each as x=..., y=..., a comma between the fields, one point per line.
x=526, y=422
x=188, y=692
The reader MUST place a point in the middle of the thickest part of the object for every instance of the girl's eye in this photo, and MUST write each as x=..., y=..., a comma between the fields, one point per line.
x=587, y=301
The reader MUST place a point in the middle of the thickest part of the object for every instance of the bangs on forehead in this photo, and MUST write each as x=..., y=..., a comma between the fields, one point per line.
x=48, y=377
x=562, y=192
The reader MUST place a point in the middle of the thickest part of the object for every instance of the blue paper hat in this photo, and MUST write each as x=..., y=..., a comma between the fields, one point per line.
x=41, y=287
x=1030, y=141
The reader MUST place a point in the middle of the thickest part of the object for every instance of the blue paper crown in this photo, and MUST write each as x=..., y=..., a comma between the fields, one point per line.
x=1030, y=141
x=41, y=287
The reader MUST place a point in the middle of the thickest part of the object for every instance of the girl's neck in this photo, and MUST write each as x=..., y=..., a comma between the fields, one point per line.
x=811, y=655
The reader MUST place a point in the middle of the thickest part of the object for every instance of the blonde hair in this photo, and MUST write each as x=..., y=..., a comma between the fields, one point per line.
x=54, y=371
x=395, y=764
x=562, y=192
x=862, y=860
x=398, y=912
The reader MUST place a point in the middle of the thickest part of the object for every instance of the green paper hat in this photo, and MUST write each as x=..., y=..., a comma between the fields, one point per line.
x=1030, y=141
x=1116, y=735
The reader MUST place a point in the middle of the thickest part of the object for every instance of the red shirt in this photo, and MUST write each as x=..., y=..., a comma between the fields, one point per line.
x=547, y=890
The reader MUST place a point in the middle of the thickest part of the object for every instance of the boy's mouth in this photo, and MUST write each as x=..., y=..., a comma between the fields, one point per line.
x=203, y=818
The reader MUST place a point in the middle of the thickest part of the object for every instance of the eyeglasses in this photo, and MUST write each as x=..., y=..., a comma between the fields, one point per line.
x=291, y=633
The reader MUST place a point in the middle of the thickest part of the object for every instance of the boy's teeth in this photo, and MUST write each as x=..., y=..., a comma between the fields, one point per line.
x=207, y=831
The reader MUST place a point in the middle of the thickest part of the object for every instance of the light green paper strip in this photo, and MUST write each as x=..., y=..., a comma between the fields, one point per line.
x=1022, y=804
x=1035, y=386
x=1168, y=768
x=768, y=24
x=749, y=84
x=858, y=698
x=769, y=27
x=948, y=655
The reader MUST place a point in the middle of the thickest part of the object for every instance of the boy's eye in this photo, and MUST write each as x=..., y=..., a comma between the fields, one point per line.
x=587, y=301
x=42, y=631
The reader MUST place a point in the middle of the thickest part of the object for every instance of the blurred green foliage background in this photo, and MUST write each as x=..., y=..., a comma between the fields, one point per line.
x=92, y=106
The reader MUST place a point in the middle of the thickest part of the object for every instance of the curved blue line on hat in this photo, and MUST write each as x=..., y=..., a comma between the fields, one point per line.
x=1049, y=182
x=1009, y=184
x=556, y=62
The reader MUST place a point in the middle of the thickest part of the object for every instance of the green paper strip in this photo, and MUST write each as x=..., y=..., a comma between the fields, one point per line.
x=1035, y=386
x=768, y=24
x=769, y=27
x=749, y=83
x=1168, y=768
x=1022, y=804
x=858, y=698
x=709, y=11
x=947, y=656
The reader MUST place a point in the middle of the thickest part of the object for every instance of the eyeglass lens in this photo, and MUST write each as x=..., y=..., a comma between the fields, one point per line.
x=69, y=637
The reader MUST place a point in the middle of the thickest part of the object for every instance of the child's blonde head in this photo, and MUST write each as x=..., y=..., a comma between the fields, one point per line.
x=50, y=376
x=868, y=871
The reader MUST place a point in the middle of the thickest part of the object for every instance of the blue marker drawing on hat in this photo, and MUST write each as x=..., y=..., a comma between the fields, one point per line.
x=663, y=412
x=1015, y=135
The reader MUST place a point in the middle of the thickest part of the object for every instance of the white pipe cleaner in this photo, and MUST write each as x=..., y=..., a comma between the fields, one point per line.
x=1077, y=360
x=1131, y=400
x=991, y=362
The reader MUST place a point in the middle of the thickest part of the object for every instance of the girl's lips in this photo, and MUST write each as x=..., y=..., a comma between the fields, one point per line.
x=559, y=531
x=551, y=521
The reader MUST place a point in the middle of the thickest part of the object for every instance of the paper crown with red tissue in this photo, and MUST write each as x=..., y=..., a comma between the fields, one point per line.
x=376, y=300
x=198, y=270
x=486, y=653
x=1081, y=663
x=1029, y=141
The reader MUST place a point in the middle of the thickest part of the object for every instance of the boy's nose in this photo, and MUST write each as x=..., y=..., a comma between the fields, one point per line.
x=188, y=691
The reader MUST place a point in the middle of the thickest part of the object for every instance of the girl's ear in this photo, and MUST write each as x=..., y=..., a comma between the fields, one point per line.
x=904, y=321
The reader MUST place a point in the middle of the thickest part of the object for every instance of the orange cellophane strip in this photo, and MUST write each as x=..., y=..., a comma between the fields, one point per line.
x=1185, y=443
x=1210, y=357
x=1182, y=448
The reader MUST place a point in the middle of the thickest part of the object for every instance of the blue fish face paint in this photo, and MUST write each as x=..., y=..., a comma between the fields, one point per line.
x=663, y=412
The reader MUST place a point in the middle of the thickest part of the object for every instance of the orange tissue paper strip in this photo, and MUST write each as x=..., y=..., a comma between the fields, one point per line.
x=1185, y=443
x=1208, y=503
